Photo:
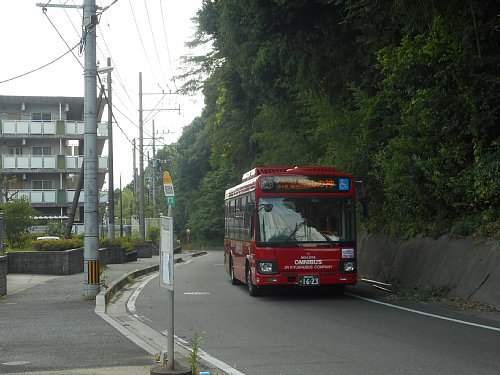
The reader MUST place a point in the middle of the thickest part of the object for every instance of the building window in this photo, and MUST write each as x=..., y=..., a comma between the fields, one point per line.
x=15, y=150
x=42, y=185
x=41, y=151
x=36, y=116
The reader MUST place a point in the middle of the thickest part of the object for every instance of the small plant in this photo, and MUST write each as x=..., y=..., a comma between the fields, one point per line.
x=103, y=279
x=153, y=233
x=194, y=355
x=423, y=294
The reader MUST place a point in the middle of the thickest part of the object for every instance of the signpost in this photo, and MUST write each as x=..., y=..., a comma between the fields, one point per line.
x=167, y=276
x=166, y=253
x=168, y=188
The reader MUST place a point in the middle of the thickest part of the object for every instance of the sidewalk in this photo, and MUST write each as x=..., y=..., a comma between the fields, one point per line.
x=48, y=327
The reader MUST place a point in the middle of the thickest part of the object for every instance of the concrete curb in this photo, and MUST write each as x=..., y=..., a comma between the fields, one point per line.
x=104, y=296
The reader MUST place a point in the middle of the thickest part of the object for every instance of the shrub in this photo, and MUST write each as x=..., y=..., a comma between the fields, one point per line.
x=58, y=245
x=153, y=233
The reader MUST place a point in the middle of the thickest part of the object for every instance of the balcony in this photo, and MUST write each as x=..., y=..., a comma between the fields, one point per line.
x=38, y=128
x=54, y=196
x=54, y=163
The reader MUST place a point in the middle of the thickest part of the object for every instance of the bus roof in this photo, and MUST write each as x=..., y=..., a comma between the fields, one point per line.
x=265, y=170
x=249, y=178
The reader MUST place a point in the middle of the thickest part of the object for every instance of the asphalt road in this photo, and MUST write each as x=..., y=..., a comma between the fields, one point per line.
x=290, y=332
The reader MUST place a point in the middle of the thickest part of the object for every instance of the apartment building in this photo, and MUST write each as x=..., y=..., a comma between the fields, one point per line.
x=42, y=150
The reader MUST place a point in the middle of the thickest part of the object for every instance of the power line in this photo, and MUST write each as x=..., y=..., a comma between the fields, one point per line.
x=41, y=67
x=142, y=43
x=154, y=44
x=44, y=10
x=168, y=50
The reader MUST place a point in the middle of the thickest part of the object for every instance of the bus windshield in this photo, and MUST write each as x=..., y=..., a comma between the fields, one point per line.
x=289, y=221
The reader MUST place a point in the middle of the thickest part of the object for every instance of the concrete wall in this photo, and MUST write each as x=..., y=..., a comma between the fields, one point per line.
x=3, y=275
x=112, y=256
x=472, y=266
x=144, y=250
x=46, y=262
x=58, y=262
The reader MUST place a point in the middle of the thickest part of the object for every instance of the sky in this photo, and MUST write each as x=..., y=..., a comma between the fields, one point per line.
x=146, y=36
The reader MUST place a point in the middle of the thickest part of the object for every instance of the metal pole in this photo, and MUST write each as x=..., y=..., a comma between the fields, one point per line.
x=111, y=188
x=91, y=212
x=154, y=172
x=121, y=208
x=170, y=322
x=142, y=231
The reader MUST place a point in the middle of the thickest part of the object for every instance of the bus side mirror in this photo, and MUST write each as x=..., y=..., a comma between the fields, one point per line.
x=251, y=208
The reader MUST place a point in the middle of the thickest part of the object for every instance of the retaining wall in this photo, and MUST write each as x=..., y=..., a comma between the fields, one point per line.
x=471, y=266
x=59, y=262
x=46, y=262
x=3, y=275
x=114, y=255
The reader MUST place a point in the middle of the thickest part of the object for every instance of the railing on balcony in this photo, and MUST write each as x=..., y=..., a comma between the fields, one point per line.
x=60, y=127
x=54, y=196
x=47, y=162
x=28, y=162
x=76, y=162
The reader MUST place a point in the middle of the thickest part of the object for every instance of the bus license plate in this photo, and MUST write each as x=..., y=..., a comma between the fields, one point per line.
x=309, y=280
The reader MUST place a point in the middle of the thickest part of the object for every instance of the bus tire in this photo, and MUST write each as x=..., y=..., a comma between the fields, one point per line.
x=253, y=289
x=234, y=280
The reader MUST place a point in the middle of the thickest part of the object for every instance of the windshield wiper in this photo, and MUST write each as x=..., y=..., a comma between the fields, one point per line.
x=290, y=236
x=329, y=240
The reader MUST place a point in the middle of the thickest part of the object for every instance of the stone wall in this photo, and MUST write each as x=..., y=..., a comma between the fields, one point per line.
x=3, y=275
x=471, y=266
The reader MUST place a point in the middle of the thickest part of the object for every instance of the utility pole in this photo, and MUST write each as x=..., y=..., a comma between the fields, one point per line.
x=134, y=148
x=91, y=207
x=154, y=171
x=91, y=211
x=142, y=229
x=121, y=207
x=111, y=188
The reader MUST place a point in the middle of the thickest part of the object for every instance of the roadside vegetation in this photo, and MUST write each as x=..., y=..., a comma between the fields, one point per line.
x=402, y=94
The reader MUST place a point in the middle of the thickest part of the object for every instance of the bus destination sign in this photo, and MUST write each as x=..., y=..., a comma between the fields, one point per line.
x=304, y=184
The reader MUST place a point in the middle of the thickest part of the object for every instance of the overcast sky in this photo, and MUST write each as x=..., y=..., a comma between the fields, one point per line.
x=138, y=35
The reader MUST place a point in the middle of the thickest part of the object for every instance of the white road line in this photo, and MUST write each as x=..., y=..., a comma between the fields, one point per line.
x=133, y=297
x=205, y=356
x=425, y=314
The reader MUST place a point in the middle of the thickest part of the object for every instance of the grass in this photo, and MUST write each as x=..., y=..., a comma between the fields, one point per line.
x=194, y=355
x=422, y=293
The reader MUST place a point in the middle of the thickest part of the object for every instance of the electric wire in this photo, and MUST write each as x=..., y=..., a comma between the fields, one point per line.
x=142, y=43
x=44, y=10
x=154, y=44
x=168, y=49
x=42, y=66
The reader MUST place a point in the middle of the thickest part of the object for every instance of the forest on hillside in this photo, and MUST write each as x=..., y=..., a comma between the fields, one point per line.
x=403, y=94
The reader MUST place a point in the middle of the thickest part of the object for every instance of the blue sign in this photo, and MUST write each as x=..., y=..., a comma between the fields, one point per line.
x=344, y=184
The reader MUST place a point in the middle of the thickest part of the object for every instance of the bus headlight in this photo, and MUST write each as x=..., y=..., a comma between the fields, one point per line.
x=349, y=266
x=267, y=267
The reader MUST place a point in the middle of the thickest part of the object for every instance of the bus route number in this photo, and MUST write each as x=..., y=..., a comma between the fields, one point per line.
x=309, y=280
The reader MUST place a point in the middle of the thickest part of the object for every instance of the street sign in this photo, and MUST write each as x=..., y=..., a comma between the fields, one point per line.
x=171, y=201
x=168, y=186
x=166, y=253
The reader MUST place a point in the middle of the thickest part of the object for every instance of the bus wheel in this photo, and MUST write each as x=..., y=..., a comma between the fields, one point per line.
x=234, y=280
x=253, y=290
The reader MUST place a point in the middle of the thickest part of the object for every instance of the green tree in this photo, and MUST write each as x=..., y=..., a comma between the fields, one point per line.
x=18, y=218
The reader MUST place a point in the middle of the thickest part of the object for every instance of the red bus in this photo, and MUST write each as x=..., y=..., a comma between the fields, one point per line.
x=291, y=226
